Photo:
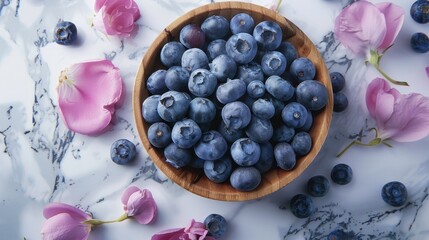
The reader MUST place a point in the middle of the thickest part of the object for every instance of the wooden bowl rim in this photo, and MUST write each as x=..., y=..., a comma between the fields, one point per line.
x=181, y=176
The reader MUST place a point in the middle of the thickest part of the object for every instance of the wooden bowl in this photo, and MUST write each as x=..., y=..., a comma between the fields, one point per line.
x=194, y=180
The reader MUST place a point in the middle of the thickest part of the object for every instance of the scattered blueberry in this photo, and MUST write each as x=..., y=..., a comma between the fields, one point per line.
x=212, y=146
x=177, y=78
x=340, y=102
x=215, y=27
x=263, y=108
x=279, y=88
x=191, y=36
x=245, y=152
x=245, y=178
x=171, y=54
x=294, y=115
x=394, y=193
x=65, y=33
x=149, y=106
x=301, y=143
x=236, y=115
x=230, y=91
x=202, y=110
x=250, y=72
x=341, y=174
x=216, y=48
x=159, y=135
x=194, y=58
x=122, y=151
x=419, y=11
x=202, y=83
x=268, y=34
x=155, y=84
x=273, y=63
x=284, y=156
x=223, y=67
x=241, y=23
x=338, y=81
x=218, y=171
x=216, y=225
x=173, y=106
x=186, y=133
x=318, y=186
x=420, y=42
x=312, y=94
x=302, y=69
x=301, y=206
x=256, y=89
x=241, y=47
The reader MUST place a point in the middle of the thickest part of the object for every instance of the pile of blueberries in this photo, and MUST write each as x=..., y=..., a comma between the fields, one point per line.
x=419, y=11
x=235, y=100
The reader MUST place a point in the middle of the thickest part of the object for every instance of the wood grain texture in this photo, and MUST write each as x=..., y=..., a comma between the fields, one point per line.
x=193, y=179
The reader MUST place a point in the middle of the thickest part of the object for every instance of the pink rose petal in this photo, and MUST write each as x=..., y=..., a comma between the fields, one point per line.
x=394, y=16
x=88, y=93
x=64, y=227
x=170, y=234
x=360, y=27
x=53, y=209
x=139, y=204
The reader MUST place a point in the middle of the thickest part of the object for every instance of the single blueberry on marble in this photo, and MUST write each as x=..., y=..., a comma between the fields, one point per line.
x=340, y=102
x=122, y=151
x=338, y=81
x=318, y=186
x=341, y=174
x=301, y=206
x=216, y=225
x=65, y=33
x=420, y=42
x=394, y=193
x=419, y=11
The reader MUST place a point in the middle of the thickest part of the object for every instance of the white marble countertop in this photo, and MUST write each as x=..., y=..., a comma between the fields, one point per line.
x=41, y=161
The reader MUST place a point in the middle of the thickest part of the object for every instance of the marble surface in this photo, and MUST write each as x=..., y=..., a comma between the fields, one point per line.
x=41, y=161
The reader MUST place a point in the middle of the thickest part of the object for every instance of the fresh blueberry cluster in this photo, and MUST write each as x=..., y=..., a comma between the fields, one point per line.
x=235, y=99
x=419, y=11
x=216, y=225
x=340, y=99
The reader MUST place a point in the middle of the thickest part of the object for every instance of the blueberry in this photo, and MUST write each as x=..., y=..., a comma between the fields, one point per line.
x=259, y=130
x=122, y=151
x=318, y=186
x=241, y=47
x=236, y=115
x=250, y=72
x=171, y=54
x=284, y=156
x=173, y=106
x=308, y=122
x=215, y=27
x=216, y=48
x=149, y=106
x=301, y=143
x=394, y=193
x=263, y=108
x=248, y=100
x=420, y=42
x=338, y=81
x=218, y=171
x=155, y=84
x=194, y=58
x=273, y=63
x=212, y=146
x=419, y=11
x=202, y=83
x=230, y=135
x=177, y=78
x=230, y=91
x=245, y=178
x=340, y=102
x=302, y=69
x=159, y=135
x=289, y=51
x=256, y=89
x=268, y=35
x=241, y=23
x=340, y=235
x=191, y=36
x=65, y=33
x=279, y=88
x=278, y=105
x=301, y=206
x=186, y=133
x=294, y=115
x=216, y=225
x=283, y=133
x=312, y=94
x=266, y=161
x=341, y=174
x=202, y=110
x=177, y=157
x=223, y=67
x=245, y=152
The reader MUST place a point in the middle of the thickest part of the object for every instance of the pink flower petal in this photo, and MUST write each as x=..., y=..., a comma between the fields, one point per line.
x=427, y=71
x=360, y=27
x=394, y=16
x=64, y=227
x=127, y=193
x=142, y=207
x=53, y=209
x=88, y=94
x=170, y=234
x=196, y=230
x=410, y=119
x=99, y=4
